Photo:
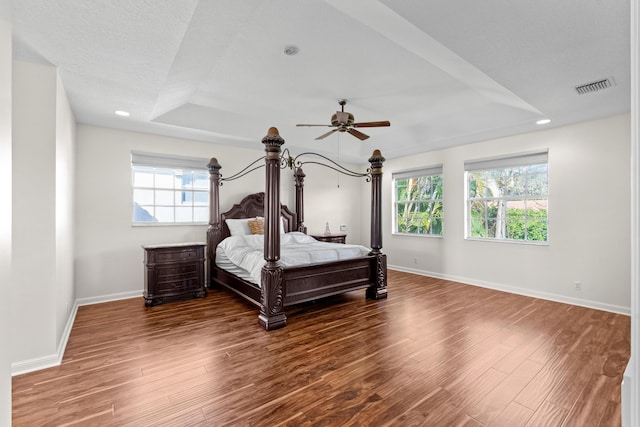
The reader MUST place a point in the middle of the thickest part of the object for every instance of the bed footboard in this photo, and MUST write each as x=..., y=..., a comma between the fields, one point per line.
x=315, y=281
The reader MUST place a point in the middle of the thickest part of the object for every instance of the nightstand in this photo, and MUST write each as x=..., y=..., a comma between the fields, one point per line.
x=331, y=238
x=173, y=270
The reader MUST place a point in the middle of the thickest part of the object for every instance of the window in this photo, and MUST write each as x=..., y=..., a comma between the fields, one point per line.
x=507, y=198
x=169, y=190
x=418, y=201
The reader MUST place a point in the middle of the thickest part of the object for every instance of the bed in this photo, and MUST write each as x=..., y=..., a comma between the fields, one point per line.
x=280, y=286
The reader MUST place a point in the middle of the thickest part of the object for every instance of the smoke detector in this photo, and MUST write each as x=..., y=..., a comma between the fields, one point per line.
x=291, y=50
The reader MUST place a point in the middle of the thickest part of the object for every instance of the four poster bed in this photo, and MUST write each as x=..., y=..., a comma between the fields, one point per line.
x=280, y=286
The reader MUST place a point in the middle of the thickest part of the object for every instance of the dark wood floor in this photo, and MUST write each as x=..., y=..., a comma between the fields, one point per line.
x=435, y=353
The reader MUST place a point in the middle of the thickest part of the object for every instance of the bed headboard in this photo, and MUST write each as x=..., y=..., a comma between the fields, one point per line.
x=250, y=207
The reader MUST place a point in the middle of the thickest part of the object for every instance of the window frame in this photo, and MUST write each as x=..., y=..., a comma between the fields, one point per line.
x=174, y=166
x=426, y=172
x=528, y=163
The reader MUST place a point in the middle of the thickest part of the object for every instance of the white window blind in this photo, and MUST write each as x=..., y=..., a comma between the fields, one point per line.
x=171, y=162
x=522, y=159
x=428, y=171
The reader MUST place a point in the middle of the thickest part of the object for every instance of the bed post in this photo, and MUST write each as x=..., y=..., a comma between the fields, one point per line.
x=379, y=289
x=214, y=232
x=271, y=296
x=299, y=177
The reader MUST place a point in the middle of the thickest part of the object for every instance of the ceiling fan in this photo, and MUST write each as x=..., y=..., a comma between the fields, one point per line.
x=343, y=121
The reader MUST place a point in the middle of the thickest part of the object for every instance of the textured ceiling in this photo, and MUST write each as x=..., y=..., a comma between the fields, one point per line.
x=443, y=73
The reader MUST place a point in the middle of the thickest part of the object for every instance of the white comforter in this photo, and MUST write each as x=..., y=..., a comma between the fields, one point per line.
x=247, y=252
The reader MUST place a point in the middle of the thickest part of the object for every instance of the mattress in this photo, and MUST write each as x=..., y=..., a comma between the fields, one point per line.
x=244, y=256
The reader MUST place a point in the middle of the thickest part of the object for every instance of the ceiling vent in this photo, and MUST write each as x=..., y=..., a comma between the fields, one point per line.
x=595, y=86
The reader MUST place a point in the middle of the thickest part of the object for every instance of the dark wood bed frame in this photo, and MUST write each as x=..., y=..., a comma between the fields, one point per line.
x=282, y=287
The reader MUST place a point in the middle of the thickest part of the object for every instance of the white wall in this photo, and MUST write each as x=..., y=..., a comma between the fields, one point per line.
x=588, y=219
x=5, y=212
x=334, y=198
x=34, y=249
x=42, y=241
x=64, y=187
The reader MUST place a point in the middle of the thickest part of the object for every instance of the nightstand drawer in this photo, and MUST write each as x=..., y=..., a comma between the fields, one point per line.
x=179, y=255
x=177, y=284
x=168, y=271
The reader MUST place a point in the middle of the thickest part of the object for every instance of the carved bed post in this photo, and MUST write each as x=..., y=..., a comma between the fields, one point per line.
x=272, y=299
x=299, y=178
x=214, y=232
x=379, y=289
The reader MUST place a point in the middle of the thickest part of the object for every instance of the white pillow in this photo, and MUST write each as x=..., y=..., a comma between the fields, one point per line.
x=239, y=227
x=282, y=230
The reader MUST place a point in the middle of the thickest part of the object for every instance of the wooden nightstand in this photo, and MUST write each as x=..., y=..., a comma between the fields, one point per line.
x=331, y=238
x=174, y=270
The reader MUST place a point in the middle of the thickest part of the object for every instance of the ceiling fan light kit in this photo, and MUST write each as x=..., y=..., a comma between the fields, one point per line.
x=344, y=121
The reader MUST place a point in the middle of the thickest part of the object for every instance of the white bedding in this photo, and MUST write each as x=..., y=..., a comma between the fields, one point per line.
x=246, y=253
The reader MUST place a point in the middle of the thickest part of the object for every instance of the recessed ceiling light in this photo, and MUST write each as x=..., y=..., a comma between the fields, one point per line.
x=543, y=121
x=122, y=113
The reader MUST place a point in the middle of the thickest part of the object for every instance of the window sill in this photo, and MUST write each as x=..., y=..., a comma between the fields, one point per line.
x=433, y=236
x=517, y=242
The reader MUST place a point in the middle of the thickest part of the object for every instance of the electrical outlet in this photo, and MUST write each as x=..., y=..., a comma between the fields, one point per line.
x=415, y=260
x=343, y=227
x=578, y=286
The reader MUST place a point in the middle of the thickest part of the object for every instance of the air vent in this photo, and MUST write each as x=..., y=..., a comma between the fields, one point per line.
x=594, y=86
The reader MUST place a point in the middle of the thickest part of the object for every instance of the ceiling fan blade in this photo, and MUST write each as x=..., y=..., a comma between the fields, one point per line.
x=371, y=124
x=326, y=134
x=361, y=136
x=313, y=125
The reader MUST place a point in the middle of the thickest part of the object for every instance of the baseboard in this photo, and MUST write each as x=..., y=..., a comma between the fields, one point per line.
x=108, y=298
x=30, y=365
x=520, y=291
x=25, y=366
x=626, y=404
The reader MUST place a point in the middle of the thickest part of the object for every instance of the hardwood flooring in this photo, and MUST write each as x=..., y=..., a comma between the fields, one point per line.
x=435, y=353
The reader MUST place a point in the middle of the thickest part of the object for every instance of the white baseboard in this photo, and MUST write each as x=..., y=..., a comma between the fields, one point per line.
x=24, y=366
x=626, y=395
x=30, y=365
x=521, y=291
x=108, y=298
